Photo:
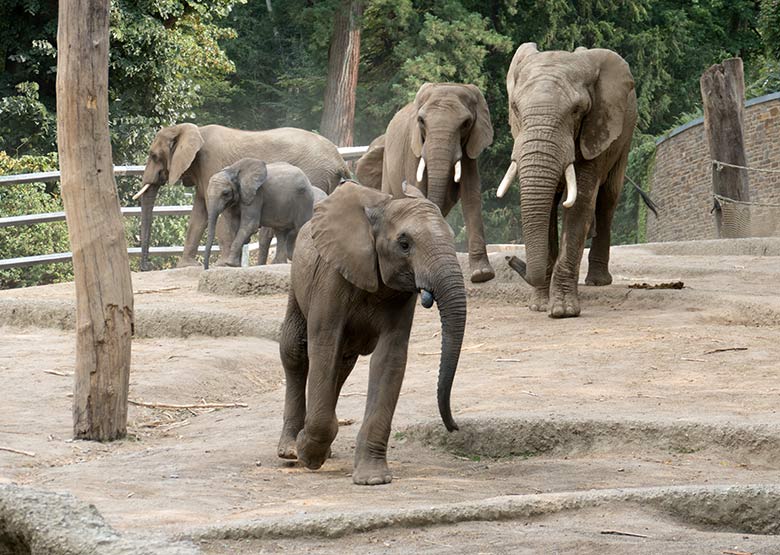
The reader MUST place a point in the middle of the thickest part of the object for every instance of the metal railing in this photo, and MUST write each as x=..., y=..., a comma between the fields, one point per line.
x=348, y=153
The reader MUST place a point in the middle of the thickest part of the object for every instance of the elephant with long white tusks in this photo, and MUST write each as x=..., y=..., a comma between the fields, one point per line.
x=433, y=143
x=572, y=115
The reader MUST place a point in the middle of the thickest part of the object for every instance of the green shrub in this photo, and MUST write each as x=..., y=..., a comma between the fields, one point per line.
x=36, y=239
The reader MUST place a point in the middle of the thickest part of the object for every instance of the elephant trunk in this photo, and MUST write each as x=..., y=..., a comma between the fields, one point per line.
x=147, y=206
x=443, y=164
x=213, y=215
x=539, y=170
x=450, y=293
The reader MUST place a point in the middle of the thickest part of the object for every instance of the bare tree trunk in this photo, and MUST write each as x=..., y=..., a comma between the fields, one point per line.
x=338, y=113
x=104, y=293
x=723, y=96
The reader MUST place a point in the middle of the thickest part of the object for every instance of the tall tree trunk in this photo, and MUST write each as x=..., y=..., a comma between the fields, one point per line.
x=338, y=113
x=104, y=293
x=723, y=96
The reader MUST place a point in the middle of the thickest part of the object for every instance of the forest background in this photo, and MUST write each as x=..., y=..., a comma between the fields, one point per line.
x=260, y=65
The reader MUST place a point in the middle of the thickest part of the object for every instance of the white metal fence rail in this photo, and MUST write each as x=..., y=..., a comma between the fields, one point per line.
x=348, y=153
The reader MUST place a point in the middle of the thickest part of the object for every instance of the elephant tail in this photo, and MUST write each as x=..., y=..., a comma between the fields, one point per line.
x=645, y=197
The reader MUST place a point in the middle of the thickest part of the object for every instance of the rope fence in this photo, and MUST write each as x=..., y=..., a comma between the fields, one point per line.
x=742, y=218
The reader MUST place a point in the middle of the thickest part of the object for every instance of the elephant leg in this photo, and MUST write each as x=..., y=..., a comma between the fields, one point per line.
x=388, y=364
x=564, y=299
x=326, y=371
x=606, y=203
x=195, y=228
x=249, y=224
x=264, y=244
x=227, y=229
x=470, y=193
x=295, y=360
x=281, y=246
x=292, y=238
x=540, y=296
x=387, y=367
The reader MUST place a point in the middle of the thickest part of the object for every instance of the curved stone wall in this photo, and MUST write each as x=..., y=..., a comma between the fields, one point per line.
x=681, y=183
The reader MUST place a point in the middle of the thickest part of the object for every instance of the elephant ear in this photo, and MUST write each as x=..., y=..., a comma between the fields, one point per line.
x=343, y=234
x=603, y=124
x=411, y=191
x=522, y=52
x=251, y=176
x=419, y=100
x=482, y=132
x=186, y=143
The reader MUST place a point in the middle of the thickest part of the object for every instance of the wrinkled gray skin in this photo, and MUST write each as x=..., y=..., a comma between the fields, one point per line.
x=446, y=123
x=266, y=234
x=278, y=196
x=358, y=266
x=193, y=154
x=568, y=107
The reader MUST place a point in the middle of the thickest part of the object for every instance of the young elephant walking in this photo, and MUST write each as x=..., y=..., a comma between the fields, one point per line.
x=250, y=194
x=358, y=267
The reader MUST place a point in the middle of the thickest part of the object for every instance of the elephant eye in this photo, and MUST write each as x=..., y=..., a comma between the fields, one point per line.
x=421, y=120
x=404, y=243
x=466, y=124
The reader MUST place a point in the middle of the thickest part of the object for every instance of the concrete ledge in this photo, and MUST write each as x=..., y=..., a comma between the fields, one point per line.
x=270, y=279
x=519, y=437
x=43, y=523
x=149, y=322
x=752, y=246
x=751, y=509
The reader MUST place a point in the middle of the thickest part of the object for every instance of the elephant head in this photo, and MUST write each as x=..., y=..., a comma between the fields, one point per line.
x=235, y=184
x=171, y=154
x=564, y=107
x=404, y=244
x=452, y=120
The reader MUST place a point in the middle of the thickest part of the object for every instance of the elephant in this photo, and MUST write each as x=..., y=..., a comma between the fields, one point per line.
x=266, y=234
x=277, y=196
x=572, y=115
x=434, y=142
x=355, y=277
x=193, y=154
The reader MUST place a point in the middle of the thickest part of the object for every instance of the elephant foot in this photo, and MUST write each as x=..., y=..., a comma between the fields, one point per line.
x=228, y=263
x=540, y=298
x=371, y=472
x=481, y=270
x=598, y=276
x=286, y=448
x=187, y=262
x=312, y=454
x=565, y=305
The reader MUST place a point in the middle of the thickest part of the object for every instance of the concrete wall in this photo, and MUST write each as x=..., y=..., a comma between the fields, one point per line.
x=681, y=183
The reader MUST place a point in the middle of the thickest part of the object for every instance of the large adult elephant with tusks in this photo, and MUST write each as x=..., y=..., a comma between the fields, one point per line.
x=193, y=154
x=572, y=116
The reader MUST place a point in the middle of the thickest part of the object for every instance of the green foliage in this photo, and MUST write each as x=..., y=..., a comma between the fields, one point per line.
x=31, y=198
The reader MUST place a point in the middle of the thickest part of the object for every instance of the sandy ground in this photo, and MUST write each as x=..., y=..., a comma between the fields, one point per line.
x=646, y=388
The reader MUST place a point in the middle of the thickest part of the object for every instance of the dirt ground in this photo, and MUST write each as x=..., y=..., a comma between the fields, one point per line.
x=647, y=389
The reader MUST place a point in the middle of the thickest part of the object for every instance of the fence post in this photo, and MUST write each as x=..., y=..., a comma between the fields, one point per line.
x=723, y=96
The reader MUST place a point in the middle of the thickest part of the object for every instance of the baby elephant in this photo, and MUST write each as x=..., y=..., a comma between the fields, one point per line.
x=250, y=194
x=358, y=267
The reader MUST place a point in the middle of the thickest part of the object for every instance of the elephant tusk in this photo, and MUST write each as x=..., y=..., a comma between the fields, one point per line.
x=510, y=175
x=142, y=191
x=571, y=186
x=420, y=169
x=457, y=171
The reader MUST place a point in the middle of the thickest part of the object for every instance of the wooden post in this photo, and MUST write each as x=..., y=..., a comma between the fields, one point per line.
x=338, y=110
x=104, y=293
x=723, y=96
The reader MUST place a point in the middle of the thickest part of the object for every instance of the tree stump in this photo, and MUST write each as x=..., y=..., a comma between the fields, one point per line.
x=104, y=293
x=723, y=96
